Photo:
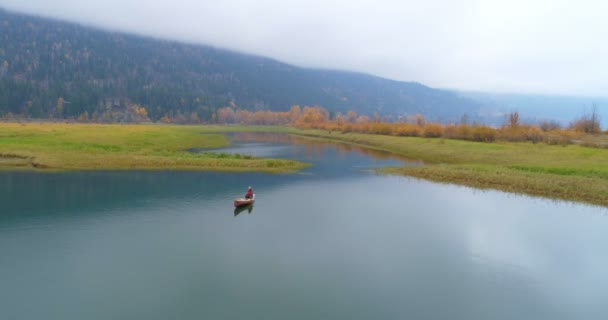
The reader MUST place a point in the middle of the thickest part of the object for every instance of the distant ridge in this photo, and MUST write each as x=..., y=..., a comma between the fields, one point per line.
x=534, y=108
x=92, y=71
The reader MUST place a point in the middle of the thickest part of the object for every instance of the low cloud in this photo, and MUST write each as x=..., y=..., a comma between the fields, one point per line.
x=543, y=46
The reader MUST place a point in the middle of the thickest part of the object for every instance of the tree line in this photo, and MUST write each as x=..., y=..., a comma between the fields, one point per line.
x=316, y=117
x=100, y=75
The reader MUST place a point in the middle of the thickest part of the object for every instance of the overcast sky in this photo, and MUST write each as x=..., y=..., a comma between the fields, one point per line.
x=526, y=46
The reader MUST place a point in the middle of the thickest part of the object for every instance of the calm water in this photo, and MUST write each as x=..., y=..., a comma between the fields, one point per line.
x=333, y=242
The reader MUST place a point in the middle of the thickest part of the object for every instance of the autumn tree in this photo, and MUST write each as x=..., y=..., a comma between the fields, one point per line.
x=243, y=116
x=418, y=119
x=351, y=116
x=59, y=106
x=312, y=117
x=139, y=113
x=339, y=119
x=294, y=113
x=83, y=117
x=225, y=115
x=362, y=119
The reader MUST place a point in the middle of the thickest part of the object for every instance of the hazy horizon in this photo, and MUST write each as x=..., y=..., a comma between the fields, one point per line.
x=543, y=47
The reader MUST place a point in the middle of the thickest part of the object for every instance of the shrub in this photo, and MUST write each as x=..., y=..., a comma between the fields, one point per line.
x=408, y=130
x=590, y=142
x=433, y=130
x=461, y=131
x=534, y=134
x=549, y=125
x=361, y=127
x=450, y=131
x=483, y=134
x=464, y=132
x=513, y=134
x=586, y=125
x=380, y=128
x=560, y=137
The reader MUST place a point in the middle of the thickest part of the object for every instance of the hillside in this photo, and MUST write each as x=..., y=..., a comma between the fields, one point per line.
x=51, y=68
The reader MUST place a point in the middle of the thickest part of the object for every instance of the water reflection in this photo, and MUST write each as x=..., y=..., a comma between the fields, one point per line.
x=337, y=243
x=238, y=210
x=315, y=147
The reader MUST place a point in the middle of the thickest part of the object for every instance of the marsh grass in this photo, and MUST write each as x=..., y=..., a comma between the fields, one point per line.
x=570, y=172
x=60, y=146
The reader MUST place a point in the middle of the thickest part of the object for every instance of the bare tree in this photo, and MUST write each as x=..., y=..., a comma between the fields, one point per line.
x=549, y=125
x=595, y=120
x=514, y=119
x=588, y=123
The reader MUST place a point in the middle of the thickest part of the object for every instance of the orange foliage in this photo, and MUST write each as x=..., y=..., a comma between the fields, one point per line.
x=433, y=130
x=312, y=117
x=225, y=115
x=294, y=113
x=139, y=113
x=483, y=134
x=317, y=117
x=407, y=129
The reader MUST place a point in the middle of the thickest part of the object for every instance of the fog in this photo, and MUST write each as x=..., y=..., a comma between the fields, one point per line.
x=542, y=46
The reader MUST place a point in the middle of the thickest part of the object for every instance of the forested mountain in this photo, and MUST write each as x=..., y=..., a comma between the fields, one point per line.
x=50, y=68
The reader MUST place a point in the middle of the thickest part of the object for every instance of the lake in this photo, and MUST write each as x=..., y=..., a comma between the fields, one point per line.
x=335, y=241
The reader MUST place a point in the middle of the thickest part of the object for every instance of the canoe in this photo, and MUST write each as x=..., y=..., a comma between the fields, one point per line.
x=243, y=202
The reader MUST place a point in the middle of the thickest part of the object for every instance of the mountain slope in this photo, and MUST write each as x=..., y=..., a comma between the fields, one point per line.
x=43, y=60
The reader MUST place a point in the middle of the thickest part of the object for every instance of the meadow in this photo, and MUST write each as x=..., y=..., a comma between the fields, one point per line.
x=67, y=146
x=567, y=172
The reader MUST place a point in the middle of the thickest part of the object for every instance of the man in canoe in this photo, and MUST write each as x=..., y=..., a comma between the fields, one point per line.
x=249, y=193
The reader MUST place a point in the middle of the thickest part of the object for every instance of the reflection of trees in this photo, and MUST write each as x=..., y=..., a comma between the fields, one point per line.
x=259, y=137
x=312, y=146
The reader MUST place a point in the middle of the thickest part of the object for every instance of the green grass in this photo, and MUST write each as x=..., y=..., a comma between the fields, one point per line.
x=61, y=146
x=570, y=172
x=562, y=172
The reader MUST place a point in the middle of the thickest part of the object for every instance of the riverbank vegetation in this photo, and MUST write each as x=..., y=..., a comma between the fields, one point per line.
x=584, y=131
x=61, y=146
x=570, y=172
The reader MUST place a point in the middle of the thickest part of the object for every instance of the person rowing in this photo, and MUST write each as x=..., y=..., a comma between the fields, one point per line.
x=249, y=193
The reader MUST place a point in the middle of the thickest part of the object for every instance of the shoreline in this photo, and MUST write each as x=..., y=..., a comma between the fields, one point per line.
x=570, y=173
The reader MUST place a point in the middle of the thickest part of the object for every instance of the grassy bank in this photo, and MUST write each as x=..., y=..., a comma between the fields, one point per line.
x=561, y=172
x=61, y=146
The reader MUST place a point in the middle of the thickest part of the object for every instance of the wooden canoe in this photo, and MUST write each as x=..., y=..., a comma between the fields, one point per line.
x=243, y=202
